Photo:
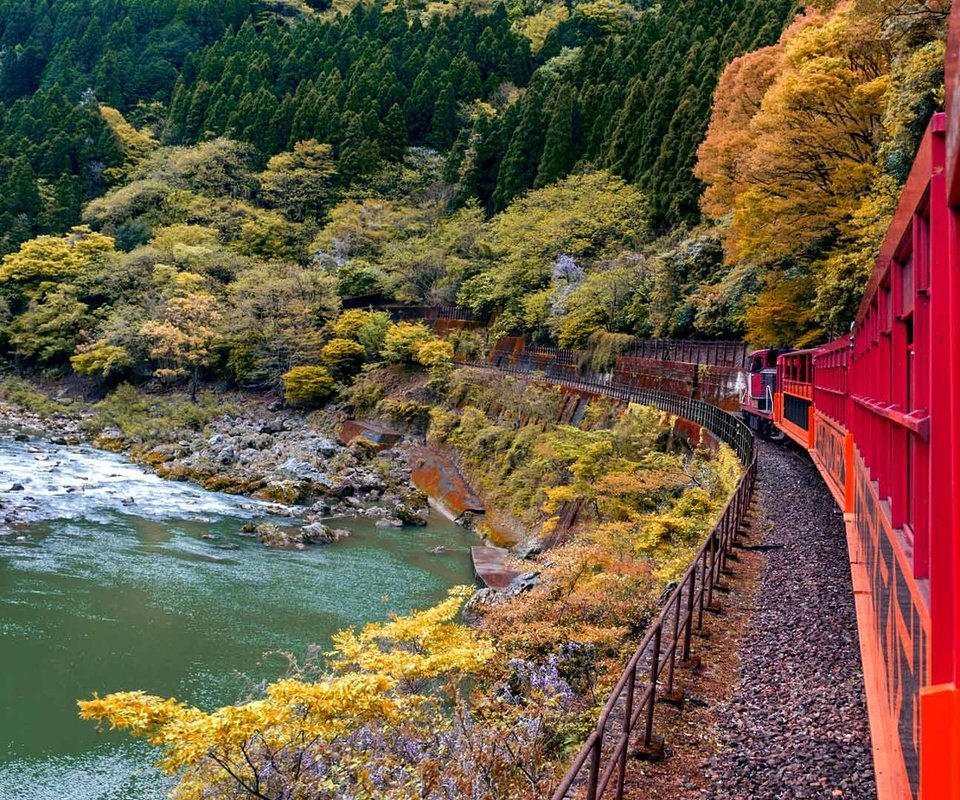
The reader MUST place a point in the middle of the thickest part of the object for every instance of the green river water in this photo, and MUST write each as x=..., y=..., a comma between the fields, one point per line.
x=99, y=594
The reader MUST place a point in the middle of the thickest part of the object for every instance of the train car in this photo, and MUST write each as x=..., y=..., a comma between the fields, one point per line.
x=758, y=398
x=793, y=397
x=878, y=412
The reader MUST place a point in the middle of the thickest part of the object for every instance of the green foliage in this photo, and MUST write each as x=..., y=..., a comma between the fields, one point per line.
x=101, y=360
x=147, y=420
x=51, y=327
x=343, y=358
x=403, y=340
x=437, y=357
x=363, y=396
x=23, y=394
x=369, y=328
x=277, y=316
x=603, y=348
x=308, y=386
x=630, y=472
x=408, y=413
x=583, y=218
x=435, y=354
x=54, y=258
x=299, y=182
x=621, y=90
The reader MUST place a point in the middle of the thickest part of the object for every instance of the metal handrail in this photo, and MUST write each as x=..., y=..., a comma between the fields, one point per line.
x=630, y=711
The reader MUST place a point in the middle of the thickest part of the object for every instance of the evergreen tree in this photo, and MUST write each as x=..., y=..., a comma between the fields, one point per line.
x=560, y=144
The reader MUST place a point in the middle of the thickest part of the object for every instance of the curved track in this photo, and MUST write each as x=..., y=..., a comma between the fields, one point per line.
x=796, y=724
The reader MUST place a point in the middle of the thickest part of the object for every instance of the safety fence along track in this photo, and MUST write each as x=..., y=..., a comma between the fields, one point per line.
x=626, y=728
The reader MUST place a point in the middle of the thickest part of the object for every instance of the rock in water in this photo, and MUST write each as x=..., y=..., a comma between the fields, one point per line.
x=274, y=536
x=409, y=515
x=318, y=533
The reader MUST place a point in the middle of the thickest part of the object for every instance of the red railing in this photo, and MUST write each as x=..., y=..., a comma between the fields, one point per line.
x=885, y=438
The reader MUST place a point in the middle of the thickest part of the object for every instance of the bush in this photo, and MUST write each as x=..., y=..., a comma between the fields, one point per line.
x=404, y=339
x=151, y=419
x=436, y=354
x=343, y=357
x=469, y=345
x=101, y=360
x=409, y=413
x=308, y=386
x=363, y=397
x=369, y=328
x=23, y=394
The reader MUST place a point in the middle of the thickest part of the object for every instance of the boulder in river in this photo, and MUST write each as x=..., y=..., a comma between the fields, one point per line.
x=274, y=536
x=318, y=533
x=303, y=471
x=409, y=515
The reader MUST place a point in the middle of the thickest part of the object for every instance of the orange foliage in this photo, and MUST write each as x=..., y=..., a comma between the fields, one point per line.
x=782, y=314
x=736, y=101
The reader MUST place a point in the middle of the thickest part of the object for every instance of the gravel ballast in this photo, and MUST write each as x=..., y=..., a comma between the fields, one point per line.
x=796, y=725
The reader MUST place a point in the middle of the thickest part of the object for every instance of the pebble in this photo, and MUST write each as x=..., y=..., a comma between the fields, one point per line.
x=796, y=725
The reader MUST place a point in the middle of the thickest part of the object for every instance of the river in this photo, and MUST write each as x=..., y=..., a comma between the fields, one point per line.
x=112, y=586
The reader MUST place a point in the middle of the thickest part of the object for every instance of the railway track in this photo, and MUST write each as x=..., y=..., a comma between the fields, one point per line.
x=795, y=725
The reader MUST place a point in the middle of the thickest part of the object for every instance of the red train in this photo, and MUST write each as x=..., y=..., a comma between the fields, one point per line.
x=879, y=412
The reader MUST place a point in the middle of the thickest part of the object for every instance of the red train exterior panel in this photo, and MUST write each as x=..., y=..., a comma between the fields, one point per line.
x=884, y=416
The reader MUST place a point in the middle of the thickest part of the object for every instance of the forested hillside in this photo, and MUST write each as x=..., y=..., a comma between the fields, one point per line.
x=543, y=166
x=220, y=223
x=616, y=86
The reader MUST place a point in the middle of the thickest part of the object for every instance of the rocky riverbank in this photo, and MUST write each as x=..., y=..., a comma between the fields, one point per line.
x=265, y=452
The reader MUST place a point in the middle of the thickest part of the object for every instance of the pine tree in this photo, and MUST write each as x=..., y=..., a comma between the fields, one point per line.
x=560, y=145
x=393, y=135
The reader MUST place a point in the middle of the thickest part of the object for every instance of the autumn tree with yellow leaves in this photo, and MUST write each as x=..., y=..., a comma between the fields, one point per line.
x=386, y=715
x=805, y=152
x=182, y=338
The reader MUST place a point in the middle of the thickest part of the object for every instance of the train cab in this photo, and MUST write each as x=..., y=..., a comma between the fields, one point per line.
x=757, y=400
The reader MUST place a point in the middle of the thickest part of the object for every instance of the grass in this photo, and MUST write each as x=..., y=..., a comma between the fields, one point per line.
x=25, y=395
x=150, y=419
